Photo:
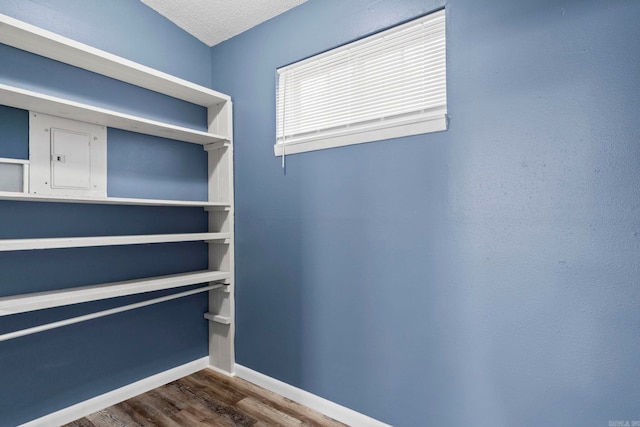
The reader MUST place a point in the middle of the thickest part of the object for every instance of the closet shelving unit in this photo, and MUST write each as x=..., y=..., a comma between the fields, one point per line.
x=217, y=141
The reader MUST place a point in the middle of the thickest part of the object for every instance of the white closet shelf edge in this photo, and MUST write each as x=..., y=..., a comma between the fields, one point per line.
x=47, y=104
x=85, y=242
x=7, y=195
x=58, y=298
x=30, y=38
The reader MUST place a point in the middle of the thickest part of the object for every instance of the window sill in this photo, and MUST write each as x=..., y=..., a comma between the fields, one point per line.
x=432, y=123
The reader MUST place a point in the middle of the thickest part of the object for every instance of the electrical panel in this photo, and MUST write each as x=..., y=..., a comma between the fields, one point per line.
x=67, y=157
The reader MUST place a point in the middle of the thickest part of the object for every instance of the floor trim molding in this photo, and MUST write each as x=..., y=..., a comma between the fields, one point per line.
x=322, y=405
x=98, y=403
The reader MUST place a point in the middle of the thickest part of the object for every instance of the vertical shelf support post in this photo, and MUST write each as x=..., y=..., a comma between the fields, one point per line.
x=221, y=255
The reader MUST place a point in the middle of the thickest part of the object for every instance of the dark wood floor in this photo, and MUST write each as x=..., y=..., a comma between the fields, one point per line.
x=207, y=398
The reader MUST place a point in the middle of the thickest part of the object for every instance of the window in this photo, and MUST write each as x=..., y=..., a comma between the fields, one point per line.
x=387, y=85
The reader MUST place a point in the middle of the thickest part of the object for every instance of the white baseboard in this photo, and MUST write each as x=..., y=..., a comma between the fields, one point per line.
x=324, y=406
x=98, y=403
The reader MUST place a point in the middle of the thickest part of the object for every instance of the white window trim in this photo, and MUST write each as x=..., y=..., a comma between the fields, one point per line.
x=428, y=120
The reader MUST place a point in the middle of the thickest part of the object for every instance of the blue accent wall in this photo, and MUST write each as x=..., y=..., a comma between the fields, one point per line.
x=486, y=275
x=14, y=133
x=52, y=370
x=123, y=27
x=32, y=72
x=173, y=170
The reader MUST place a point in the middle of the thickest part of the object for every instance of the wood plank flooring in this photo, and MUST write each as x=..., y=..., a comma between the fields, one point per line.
x=207, y=398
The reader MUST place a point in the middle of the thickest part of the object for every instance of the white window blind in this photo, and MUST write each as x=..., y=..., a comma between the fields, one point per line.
x=387, y=85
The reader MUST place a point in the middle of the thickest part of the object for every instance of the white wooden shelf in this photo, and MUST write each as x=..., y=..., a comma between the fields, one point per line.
x=50, y=45
x=28, y=197
x=85, y=242
x=223, y=320
x=41, y=103
x=58, y=298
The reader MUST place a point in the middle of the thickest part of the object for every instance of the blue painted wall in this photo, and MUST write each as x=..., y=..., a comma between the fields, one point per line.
x=123, y=27
x=48, y=371
x=486, y=275
x=14, y=133
x=32, y=72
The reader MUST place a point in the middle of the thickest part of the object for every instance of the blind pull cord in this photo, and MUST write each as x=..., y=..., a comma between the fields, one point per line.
x=284, y=149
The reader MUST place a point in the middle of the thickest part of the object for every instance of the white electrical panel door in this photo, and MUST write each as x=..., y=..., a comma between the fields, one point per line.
x=67, y=157
x=70, y=159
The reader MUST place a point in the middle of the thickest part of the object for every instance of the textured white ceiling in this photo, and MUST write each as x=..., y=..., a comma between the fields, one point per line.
x=214, y=21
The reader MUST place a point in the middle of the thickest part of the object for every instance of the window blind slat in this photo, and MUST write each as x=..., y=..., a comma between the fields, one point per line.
x=377, y=100
x=365, y=77
x=351, y=94
x=327, y=110
x=363, y=44
x=306, y=126
x=347, y=58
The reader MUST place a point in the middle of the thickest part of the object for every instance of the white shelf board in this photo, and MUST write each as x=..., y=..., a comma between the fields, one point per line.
x=58, y=298
x=85, y=242
x=6, y=195
x=33, y=39
x=14, y=161
x=224, y=320
x=38, y=102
